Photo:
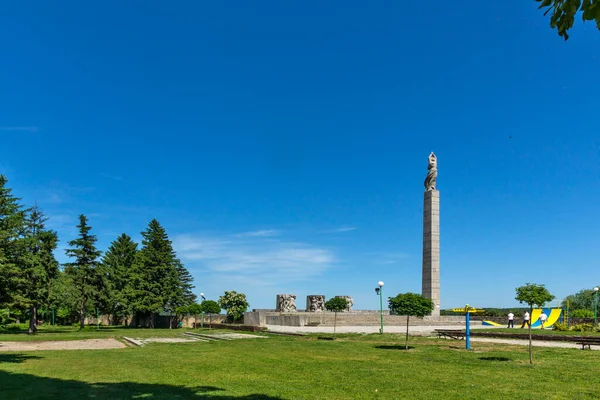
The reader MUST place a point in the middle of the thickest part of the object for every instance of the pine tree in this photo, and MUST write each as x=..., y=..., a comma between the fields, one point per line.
x=159, y=281
x=85, y=270
x=12, y=222
x=38, y=267
x=118, y=264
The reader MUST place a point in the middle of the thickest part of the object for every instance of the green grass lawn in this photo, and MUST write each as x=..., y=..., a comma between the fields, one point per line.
x=351, y=367
x=90, y=332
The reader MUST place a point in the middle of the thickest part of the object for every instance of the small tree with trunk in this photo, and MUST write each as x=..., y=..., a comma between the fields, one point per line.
x=533, y=295
x=336, y=305
x=195, y=309
x=210, y=307
x=411, y=304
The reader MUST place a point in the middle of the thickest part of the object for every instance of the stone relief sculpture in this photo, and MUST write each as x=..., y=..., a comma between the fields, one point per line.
x=349, y=300
x=431, y=178
x=286, y=302
x=315, y=303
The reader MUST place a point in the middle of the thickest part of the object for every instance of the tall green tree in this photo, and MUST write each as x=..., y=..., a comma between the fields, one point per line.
x=118, y=263
x=411, y=304
x=158, y=280
x=64, y=299
x=12, y=224
x=563, y=13
x=85, y=270
x=38, y=266
x=582, y=300
x=533, y=294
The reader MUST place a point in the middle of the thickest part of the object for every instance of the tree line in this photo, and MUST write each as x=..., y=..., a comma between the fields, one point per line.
x=124, y=281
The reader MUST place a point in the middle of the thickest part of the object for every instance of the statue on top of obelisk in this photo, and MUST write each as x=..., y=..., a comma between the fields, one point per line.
x=432, y=174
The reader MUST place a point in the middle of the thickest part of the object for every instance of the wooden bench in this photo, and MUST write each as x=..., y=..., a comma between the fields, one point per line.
x=450, y=333
x=587, y=341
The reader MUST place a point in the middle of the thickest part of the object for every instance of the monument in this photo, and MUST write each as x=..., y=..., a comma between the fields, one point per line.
x=431, y=237
x=315, y=303
x=286, y=302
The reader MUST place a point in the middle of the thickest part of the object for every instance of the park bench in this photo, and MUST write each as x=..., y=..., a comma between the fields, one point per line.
x=455, y=334
x=587, y=341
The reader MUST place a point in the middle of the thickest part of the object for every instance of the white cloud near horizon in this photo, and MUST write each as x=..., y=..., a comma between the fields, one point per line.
x=259, y=259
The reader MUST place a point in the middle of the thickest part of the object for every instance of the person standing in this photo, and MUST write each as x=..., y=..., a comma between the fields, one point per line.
x=543, y=318
x=511, y=320
x=525, y=319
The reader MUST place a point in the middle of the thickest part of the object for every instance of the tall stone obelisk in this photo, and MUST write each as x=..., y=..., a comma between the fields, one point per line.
x=431, y=238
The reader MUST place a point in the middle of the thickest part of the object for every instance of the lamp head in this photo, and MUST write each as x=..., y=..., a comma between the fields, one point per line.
x=596, y=289
x=377, y=290
x=380, y=283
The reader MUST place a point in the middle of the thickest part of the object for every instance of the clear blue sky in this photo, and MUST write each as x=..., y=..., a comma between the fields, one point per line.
x=283, y=145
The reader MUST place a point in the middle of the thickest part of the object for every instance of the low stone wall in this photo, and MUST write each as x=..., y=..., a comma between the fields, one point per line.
x=352, y=318
x=163, y=321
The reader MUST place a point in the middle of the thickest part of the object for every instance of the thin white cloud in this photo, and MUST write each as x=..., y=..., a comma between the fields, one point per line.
x=109, y=176
x=251, y=258
x=260, y=233
x=342, y=229
x=386, y=258
x=18, y=128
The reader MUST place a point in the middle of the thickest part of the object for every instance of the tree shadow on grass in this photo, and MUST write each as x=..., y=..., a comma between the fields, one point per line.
x=495, y=359
x=393, y=347
x=16, y=358
x=31, y=387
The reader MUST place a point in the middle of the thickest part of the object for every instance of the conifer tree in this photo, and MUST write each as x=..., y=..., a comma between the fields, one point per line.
x=118, y=264
x=85, y=270
x=12, y=220
x=37, y=267
x=159, y=281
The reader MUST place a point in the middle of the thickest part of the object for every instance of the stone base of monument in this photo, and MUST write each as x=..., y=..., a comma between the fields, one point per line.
x=264, y=317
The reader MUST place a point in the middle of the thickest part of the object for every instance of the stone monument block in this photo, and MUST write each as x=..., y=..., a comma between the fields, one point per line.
x=349, y=300
x=431, y=238
x=286, y=302
x=315, y=303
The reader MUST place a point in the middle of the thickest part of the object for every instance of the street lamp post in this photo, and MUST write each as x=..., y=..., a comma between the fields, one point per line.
x=596, y=305
x=379, y=291
x=202, y=321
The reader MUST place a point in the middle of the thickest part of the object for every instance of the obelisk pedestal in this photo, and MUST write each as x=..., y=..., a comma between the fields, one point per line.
x=431, y=249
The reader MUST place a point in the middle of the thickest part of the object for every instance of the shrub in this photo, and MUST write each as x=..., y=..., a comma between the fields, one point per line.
x=583, y=328
x=581, y=314
x=16, y=327
x=560, y=327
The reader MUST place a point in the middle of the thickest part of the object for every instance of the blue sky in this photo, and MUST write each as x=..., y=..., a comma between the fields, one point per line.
x=283, y=145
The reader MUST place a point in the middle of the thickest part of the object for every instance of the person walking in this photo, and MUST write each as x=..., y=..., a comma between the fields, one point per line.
x=543, y=318
x=525, y=320
x=511, y=320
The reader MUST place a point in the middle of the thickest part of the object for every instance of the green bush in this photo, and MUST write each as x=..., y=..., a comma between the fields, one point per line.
x=581, y=314
x=16, y=327
x=560, y=327
x=583, y=328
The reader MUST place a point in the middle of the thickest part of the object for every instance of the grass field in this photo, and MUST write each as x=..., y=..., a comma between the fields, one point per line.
x=352, y=367
x=73, y=333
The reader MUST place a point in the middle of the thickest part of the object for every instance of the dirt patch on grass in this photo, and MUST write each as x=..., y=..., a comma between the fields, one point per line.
x=88, y=344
